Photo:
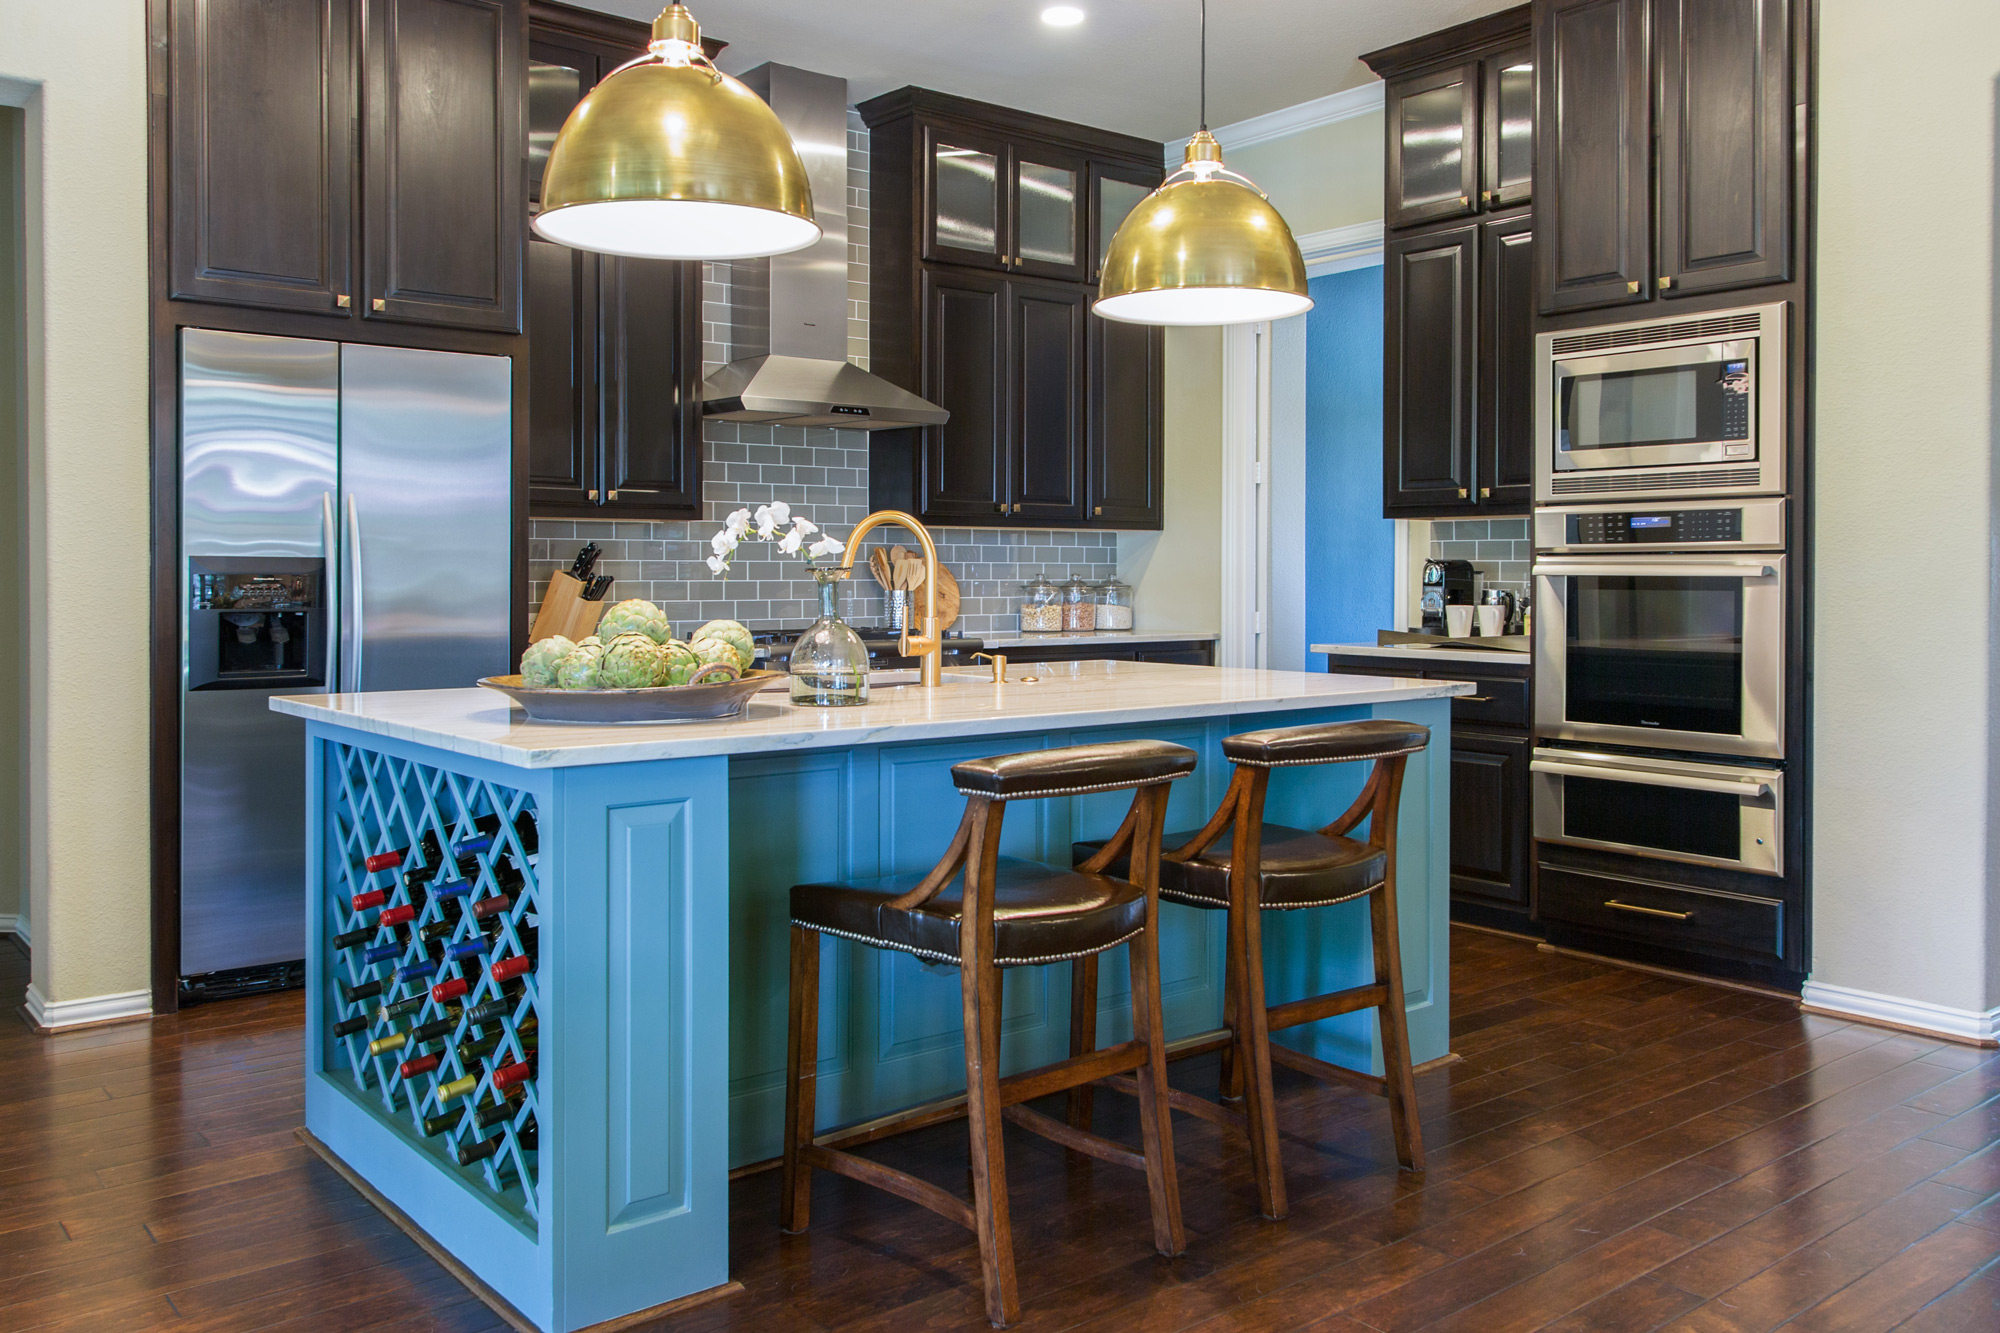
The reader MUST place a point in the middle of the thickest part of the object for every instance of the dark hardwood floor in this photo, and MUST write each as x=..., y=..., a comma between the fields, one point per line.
x=1615, y=1151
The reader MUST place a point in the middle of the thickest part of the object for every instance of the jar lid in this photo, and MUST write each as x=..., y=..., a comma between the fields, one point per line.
x=1115, y=585
x=1079, y=582
x=1039, y=582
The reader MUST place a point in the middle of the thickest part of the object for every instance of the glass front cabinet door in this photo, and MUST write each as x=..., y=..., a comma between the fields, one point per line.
x=1433, y=122
x=995, y=204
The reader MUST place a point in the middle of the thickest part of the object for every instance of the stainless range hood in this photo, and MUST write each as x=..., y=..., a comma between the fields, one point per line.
x=788, y=314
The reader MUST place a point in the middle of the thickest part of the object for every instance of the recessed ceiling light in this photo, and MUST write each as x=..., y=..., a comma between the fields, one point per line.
x=1062, y=16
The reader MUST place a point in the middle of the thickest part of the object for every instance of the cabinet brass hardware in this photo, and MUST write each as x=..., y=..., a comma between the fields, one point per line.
x=1465, y=201
x=1097, y=511
x=1486, y=197
x=379, y=304
x=611, y=495
x=343, y=300
x=1666, y=283
x=1486, y=492
x=1475, y=698
x=592, y=495
x=1462, y=493
x=1017, y=509
x=1647, y=911
x=999, y=509
x=1632, y=287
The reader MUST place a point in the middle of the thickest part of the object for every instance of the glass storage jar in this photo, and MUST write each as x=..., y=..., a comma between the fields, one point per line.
x=1114, y=605
x=829, y=665
x=1041, y=607
x=1079, y=607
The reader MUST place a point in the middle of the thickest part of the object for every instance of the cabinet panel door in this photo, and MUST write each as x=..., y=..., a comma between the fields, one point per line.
x=1429, y=292
x=259, y=152
x=1508, y=128
x=1047, y=212
x=1593, y=151
x=649, y=353
x=1725, y=144
x=1127, y=387
x=1433, y=126
x=1046, y=353
x=442, y=85
x=964, y=197
x=562, y=457
x=1489, y=818
x=965, y=372
x=1506, y=362
x=1114, y=192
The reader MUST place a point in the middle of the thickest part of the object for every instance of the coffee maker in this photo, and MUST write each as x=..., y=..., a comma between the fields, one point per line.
x=1446, y=583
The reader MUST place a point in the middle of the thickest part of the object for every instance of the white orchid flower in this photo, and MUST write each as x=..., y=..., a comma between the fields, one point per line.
x=804, y=526
x=826, y=546
x=717, y=564
x=738, y=522
x=771, y=517
x=723, y=542
x=790, y=542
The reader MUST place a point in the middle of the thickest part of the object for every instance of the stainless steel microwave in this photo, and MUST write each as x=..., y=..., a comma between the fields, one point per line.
x=1691, y=406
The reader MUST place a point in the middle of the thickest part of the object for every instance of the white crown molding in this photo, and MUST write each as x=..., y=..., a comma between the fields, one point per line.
x=1286, y=121
x=1338, y=249
x=1969, y=1025
x=54, y=1015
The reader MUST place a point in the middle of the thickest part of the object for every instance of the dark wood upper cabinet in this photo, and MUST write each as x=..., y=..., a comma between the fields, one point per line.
x=988, y=231
x=1507, y=128
x=1433, y=145
x=261, y=153
x=442, y=137
x=1725, y=139
x=965, y=372
x=562, y=469
x=1593, y=141
x=1045, y=343
x=1430, y=290
x=650, y=359
x=1505, y=411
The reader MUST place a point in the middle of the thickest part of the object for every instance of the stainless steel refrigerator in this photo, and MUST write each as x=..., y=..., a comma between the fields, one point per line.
x=346, y=520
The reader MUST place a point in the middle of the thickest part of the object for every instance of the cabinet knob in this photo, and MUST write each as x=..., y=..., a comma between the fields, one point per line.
x=343, y=300
x=1486, y=197
x=1465, y=201
x=1097, y=511
x=611, y=495
x=1632, y=287
x=1462, y=493
x=1666, y=284
x=1486, y=492
x=379, y=304
x=593, y=496
x=1017, y=509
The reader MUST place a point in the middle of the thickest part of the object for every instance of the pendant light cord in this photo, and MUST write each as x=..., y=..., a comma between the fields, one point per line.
x=1204, y=64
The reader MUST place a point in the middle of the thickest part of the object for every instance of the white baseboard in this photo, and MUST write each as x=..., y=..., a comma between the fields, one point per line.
x=12, y=923
x=57, y=1014
x=1920, y=1015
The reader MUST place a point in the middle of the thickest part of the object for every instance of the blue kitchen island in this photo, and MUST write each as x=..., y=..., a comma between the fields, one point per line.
x=562, y=1125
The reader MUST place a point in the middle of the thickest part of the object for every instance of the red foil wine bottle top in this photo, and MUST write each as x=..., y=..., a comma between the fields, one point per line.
x=382, y=861
x=397, y=915
x=450, y=990
x=423, y=1064
x=508, y=1075
x=509, y=968
x=373, y=898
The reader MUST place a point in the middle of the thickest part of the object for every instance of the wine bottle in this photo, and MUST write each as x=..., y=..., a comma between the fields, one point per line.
x=506, y=1076
x=468, y=948
x=419, y=1064
x=437, y=1027
x=402, y=1008
x=390, y=860
x=367, y=990
x=488, y=834
x=450, y=989
x=447, y=1093
x=498, y=1007
x=347, y=1027
x=354, y=938
x=383, y=953
x=420, y=970
x=528, y=1135
x=490, y=907
x=491, y=1114
x=510, y=967
x=435, y=1125
x=361, y=902
x=473, y=1048
x=395, y=1041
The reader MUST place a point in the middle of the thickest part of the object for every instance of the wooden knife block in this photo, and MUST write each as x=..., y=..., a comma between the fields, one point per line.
x=565, y=612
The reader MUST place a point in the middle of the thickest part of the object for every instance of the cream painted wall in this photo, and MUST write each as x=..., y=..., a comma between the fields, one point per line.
x=1323, y=177
x=13, y=529
x=79, y=68
x=1176, y=573
x=1904, y=726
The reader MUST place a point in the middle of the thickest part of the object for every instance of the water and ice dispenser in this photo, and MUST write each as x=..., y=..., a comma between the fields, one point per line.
x=256, y=623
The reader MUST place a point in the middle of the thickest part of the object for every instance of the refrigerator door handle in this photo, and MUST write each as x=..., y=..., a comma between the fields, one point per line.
x=329, y=546
x=354, y=600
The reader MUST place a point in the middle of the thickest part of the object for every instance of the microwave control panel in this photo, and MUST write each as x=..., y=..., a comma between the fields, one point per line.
x=1654, y=526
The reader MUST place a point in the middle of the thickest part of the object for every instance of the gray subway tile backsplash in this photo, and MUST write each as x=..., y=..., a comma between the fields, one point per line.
x=1498, y=547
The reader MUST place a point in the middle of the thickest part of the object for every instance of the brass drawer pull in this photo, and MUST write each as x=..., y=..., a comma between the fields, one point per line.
x=1648, y=911
x=1475, y=698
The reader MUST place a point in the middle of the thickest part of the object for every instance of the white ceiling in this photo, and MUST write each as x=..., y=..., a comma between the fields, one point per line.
x=1130, y=66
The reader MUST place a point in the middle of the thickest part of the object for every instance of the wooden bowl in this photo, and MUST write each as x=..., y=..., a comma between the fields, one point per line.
x=662, y=703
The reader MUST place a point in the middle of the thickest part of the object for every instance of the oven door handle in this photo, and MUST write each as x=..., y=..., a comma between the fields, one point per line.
x=1743, y=787
x=1645, y=566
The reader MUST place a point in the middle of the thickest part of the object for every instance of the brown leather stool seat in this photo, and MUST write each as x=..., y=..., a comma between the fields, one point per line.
x=1296, y=868
x=1041, y=914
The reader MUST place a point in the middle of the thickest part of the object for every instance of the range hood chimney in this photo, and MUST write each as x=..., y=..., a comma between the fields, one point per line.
x=788, y=313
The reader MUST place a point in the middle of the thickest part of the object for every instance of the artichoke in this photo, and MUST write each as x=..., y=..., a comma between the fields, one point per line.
x=538, y=664
x=708, y=651
x=577, y=670
x=635, y=616
x=632, y=662
x=733, y=634
x=680, y=663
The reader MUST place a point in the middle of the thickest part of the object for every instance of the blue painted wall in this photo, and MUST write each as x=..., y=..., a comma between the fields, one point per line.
x=1350, y=549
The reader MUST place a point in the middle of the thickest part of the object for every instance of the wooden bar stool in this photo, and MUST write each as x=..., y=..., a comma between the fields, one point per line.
x=1285, y=869
x=1006, y=913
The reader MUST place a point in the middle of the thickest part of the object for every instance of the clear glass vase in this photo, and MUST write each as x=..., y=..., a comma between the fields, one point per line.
x=829, y=662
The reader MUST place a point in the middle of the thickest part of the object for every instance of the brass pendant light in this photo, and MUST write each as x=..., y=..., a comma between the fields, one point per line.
x=1204, y=248
x=670, y=158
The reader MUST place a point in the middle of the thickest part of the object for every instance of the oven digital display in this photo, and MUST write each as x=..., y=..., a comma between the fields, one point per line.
x=1651, y=521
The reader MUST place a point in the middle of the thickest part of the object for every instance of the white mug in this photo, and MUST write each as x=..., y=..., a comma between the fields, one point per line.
x=1492, y=621
x=1458, y=621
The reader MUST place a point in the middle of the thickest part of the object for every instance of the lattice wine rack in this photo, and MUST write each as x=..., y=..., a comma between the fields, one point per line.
x=431, y=936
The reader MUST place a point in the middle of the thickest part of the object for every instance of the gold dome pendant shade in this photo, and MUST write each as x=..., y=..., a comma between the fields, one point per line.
x=669, y=158
x=1204, y=248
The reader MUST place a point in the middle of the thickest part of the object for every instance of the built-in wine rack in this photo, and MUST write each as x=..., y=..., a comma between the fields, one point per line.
x=483, y=838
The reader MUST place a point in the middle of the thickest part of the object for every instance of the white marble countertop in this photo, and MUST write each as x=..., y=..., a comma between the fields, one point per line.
x=1110, y=638
x=1429, y=656
x=484, y=724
